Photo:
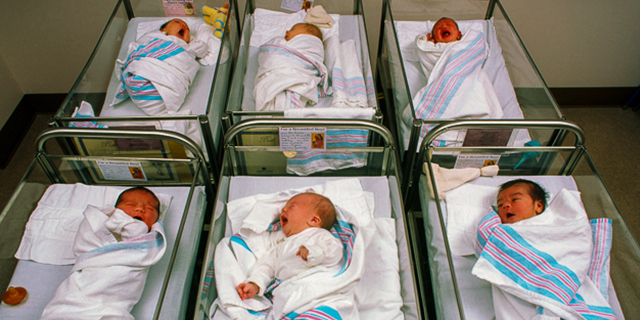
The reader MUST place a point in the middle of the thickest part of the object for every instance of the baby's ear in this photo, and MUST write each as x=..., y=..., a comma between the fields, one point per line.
x=315, y=220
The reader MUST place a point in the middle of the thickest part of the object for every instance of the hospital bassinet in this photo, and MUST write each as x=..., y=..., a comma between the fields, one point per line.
x=59, y=177
x=518, y=84
x=457, y=294
x=379, y=176
x=260, y=24
x=199, y=116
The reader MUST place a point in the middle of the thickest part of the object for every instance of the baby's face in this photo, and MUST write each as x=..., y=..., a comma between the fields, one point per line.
x=139, y=205
x=178, y=28
x=515, y=204
x=446, y=30
x=297, y=214
x=294, y=31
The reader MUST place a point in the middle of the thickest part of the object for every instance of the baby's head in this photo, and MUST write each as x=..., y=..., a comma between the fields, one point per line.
x=178, y=28
x=303, y=28
x=306, y=210
x=140, y=203
x=445, y=30
x=520, y=199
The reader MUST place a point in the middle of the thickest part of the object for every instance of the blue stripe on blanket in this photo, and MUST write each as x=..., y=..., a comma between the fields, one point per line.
x=589, y=311
x=208, y=278
x=530, y=268
x=237, y=239
x=140, y=88
x=352, y=86
x=344, y=231
x=319, y=313
x=440, y=92
x=598, y=267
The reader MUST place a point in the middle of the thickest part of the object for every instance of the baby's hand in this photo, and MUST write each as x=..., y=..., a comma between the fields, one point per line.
x=303, y=252
x=247, y=290
x=430, y=38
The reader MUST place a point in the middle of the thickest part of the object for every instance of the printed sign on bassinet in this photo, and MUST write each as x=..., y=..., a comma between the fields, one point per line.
x=179, y=8
x=296, y=5
x=121, y=170
x=302, y=139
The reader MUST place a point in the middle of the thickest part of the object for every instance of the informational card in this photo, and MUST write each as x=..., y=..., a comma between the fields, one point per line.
x=179, y=8
x=121, y=170
x=302, y=139
x=475, y=161
x=296, y=5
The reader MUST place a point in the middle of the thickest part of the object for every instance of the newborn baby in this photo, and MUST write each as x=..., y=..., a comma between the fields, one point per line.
x=290, y=70
x=306, y=220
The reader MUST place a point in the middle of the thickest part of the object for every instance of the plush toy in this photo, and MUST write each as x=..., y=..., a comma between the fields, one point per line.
x=216, y=17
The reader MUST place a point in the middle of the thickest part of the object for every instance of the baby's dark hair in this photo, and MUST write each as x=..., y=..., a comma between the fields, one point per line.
x=143, y=189
x=536, y=192
x=325, y=210
x=312, y=29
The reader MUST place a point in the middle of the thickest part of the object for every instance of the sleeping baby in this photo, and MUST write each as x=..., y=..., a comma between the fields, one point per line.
x=161, y=65
x=290, y=70
x=307, y=247
x=114, y=248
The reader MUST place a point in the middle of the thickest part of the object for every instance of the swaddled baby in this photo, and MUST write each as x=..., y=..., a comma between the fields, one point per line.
x=306, y=220
x=114, y=248
x=290, y=70
x=160, y=67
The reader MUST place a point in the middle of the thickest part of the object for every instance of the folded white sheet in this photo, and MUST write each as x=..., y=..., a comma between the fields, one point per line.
x=348, y=88
x=52, y=227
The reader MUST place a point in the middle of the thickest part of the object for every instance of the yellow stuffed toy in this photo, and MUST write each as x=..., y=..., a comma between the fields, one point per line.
x=216, y=17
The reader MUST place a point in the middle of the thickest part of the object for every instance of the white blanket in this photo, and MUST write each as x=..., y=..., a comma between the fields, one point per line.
x=534, y=277
x=289, y=73
x=457, y=86
x=108, y=277
x=348, y=88
x=233, y=259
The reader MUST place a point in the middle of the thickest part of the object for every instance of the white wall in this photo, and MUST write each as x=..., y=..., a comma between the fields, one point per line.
x=579, y=43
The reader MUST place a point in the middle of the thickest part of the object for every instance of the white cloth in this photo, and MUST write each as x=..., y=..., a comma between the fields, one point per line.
x=457, y=86
x=348, y=88
x=334, y=291
x=319, y=17
x=553, y=281
x=295, y=66
x=108, y=277
x=170, y=76
x=448, y=179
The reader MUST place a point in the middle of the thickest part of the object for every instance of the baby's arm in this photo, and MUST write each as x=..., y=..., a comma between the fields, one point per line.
x=248, y=290
x=326, y=251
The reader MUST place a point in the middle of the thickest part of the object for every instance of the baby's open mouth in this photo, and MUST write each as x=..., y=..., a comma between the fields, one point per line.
x=445, y=34
x=509, y=215
x=283, y=221
x=138, y=218
x=181, y=32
